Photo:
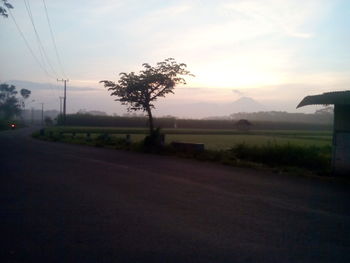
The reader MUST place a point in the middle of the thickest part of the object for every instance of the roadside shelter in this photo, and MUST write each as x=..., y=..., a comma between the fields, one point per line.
x=341, y=127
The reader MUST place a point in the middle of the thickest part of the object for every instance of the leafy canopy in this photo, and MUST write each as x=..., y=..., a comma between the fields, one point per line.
x=10, y=105
x=4, y=8
x=140, y=91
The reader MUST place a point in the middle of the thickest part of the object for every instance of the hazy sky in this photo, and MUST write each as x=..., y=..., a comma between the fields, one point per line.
x=274, y=51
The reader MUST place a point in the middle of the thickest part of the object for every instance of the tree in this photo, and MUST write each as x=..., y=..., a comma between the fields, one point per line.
x=3, y=9
x=326, y=110
x=10, y=105
x=25, y=93
x=243, y=125
x=140, y=91
x=48, y=121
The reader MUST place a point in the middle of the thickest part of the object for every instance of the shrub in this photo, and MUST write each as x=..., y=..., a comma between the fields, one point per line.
x=154, y=142
x=312, y=157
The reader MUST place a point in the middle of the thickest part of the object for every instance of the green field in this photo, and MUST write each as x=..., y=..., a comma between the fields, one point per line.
x=213, y=139
x=300, y=149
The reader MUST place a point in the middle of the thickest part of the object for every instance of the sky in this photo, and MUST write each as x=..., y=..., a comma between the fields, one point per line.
x=273, y=51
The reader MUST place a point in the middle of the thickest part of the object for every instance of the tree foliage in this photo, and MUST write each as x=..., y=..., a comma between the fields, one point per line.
x=326, y=110
x=243, y=125
x=25, y=93
x=48, y=121
x=10, y=104
x=4, y=7
x=140, y=91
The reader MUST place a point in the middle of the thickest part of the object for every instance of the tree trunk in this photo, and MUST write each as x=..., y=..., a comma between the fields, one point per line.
x=150, y=120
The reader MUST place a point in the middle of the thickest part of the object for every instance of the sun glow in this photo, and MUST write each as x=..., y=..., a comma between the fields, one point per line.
x=226, y=78
x=238, y=74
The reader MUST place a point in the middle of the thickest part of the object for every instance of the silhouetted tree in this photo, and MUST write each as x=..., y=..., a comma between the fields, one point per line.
x=48, y=121
x=3, y=8
x=243, y=125
x=10, y=105
x=25, y=93
x=140, y=91
x=326, y=110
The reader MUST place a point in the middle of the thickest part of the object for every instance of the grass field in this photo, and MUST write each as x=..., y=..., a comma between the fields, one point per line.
x=284, y=149
x=213, y=139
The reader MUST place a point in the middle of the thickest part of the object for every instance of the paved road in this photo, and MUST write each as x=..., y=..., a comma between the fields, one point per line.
x=69, y=203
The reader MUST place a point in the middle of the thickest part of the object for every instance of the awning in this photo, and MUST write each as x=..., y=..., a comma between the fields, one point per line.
x=337, y=97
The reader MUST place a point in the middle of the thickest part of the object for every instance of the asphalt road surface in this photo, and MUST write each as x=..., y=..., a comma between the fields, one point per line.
x=70, y=203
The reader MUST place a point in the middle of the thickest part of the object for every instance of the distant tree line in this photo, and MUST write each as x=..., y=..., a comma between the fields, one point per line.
x=322, y=116
x=172, y=122
x=92, y=112
x=10, y=103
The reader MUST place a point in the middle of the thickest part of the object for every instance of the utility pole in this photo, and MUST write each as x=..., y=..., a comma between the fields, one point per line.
x=61, y=98
x=64, y=99
x=32, y=113
x=42, y=114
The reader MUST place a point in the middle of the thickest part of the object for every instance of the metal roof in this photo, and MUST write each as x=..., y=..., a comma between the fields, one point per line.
x=337, y=97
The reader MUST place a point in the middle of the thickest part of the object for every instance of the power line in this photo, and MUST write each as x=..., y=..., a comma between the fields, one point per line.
x=53, y=87
x=40, y=45
x=28, y=46
x=31, y=50
x=40, y=51
x=53, y=40
x=42, y=66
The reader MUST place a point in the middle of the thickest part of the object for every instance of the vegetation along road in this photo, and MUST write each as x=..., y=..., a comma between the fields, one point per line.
x=73, y=203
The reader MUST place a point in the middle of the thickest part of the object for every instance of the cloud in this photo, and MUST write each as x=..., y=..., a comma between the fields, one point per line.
x=257, y=48
x=230, y=23
x=287, y=17
x=97, y=9
x=159, y=20
x=234, y=43
x=238, y=92
x=37, y=86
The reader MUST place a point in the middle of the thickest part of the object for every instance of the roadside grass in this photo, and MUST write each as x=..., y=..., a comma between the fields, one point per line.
x=314, y=158
x=213, y=139
x=4, y=125
x=297, y=152
x=225, y=142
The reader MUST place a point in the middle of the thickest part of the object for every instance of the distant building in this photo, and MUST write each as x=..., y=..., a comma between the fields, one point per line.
x=341, y=127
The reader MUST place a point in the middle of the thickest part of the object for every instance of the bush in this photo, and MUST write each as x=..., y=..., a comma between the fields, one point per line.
x=312, y=157
x=280, y=157
x=154, y=142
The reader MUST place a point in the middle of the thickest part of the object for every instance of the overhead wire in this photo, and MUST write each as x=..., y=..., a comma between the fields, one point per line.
x=53, y=87
x=28, y=46
x=41, y=48
x=54, y=40
x=40, y=45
